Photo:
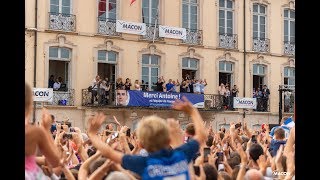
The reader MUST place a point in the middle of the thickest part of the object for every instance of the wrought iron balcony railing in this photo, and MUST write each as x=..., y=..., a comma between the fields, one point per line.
x=193, y=36
x=63, y=22
x=261, y=45
x=228, y=41
x=289, y=48
x=107, y=26
x=151, y=32
x=63, y=98
x=213, y=102
x=263, y=105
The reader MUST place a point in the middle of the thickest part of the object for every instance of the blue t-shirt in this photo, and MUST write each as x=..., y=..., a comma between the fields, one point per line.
x=275, y=145
x=169, y=87
x=164, y=164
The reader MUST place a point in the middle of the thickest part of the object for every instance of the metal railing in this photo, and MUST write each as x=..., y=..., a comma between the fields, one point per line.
x=289, y=48
x=107, y=26
x=63, y=98
x=193, y=36
x=228, y=41
x=64, y=22
x=261, y=45
x=211, y=101
x=151, y=32
x=263, y=105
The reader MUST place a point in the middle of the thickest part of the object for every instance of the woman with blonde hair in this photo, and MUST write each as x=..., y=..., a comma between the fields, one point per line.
x=137, y=85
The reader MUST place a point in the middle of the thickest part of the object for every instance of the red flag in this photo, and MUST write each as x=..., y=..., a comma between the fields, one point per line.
x=132, y=1
x=102, y=7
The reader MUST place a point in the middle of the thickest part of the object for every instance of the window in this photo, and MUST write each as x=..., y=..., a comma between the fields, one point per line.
x=149, y=11
x=289, y=76
x=225, y=17
x=60, y=6
x=289, y=25
x=150, y=70
x=226, y=72
x=59, y=65
x=107, y=9
x=190, y=14
x=258, y=69
x=190, y=66
x=107, y=56
x=259, y=21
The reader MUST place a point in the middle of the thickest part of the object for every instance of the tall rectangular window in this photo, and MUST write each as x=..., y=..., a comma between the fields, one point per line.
x=150, y=11
x=150, y=70
x=289, y=76
x=190, y=10
x=225, y=17
x=259, y=21
x=107, y=9
x=289, y=25
x=60, y=6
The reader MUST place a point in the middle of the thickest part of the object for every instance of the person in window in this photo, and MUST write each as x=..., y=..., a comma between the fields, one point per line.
x=143, y=86
x=191, y=82
x=104, y=88
x=196, y=87
x=222, y=91
x=227, y=97
x=119, y=84
x=51, y=81
x=176, y=84
x=56, y=85
x=128, y=84
x=265, y=97
x=95, y=85
x=234, y=93
x=137, y=85
x=184, y=87
x=170, y=86
x=159, y=84
x=202, y=85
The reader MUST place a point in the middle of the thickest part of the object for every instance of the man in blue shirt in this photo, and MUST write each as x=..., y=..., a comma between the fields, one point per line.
x=153, y=135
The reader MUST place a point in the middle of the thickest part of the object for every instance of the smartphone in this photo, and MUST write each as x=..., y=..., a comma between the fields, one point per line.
x=196, y=170
x=206, y=152
x=254, y=139
x=128, y=132
x=220, y=157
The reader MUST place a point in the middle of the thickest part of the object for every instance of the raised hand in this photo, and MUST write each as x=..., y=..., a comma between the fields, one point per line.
x=183, y=105
x=95, y=123
x=46, y=120
x=176, y=135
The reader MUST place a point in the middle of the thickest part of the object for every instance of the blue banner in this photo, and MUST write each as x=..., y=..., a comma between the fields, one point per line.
x=155, y=99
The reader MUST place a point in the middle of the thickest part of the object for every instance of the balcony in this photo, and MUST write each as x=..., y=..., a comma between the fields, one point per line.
x=62, y=22
x=263, y=105
x=212, y=102
x=289, y=48
x=63, y=98
x=261, y=45
x=228, y=41
x=151, y=32
x=193, y=37
x=107, y=26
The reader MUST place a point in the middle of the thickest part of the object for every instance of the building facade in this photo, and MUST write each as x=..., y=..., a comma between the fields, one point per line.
x=247, y=43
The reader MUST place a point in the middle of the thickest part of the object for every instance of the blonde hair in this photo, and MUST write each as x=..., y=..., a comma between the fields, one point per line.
x=153, y=133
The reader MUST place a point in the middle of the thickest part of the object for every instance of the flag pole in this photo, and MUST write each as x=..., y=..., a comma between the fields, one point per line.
x=156, y=22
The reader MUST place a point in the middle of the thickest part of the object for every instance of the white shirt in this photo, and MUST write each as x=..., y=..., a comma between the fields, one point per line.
x=56, y=85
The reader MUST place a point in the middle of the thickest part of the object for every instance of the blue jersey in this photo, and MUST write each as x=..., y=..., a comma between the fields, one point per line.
x=164, y=164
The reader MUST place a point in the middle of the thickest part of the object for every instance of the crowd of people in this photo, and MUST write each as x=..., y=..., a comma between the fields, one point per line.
x=157, y=149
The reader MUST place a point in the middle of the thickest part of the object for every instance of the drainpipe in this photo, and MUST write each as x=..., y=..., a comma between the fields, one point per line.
x=35, y=57
x=244, y=53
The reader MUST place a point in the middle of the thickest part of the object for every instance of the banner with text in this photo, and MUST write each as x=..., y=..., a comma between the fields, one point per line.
x=43, y=94
x=246, y=103
x=155, y=99
x=172, y=32
x=131, y=27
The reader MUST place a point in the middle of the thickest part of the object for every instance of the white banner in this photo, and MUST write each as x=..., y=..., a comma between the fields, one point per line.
x=43, y=94
x=131, y=27
x=172, y=32
x=247, y=103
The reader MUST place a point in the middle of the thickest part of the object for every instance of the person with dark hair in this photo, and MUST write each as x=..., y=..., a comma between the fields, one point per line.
x=209, y=141
x=189, y=132
x=210, y=171
x=51, y=81
x=255, y=150
x=53, y=128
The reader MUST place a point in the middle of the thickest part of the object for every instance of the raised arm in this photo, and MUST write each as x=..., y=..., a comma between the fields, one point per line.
x=186, y=106
x=94, y=125
x=84, y=168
